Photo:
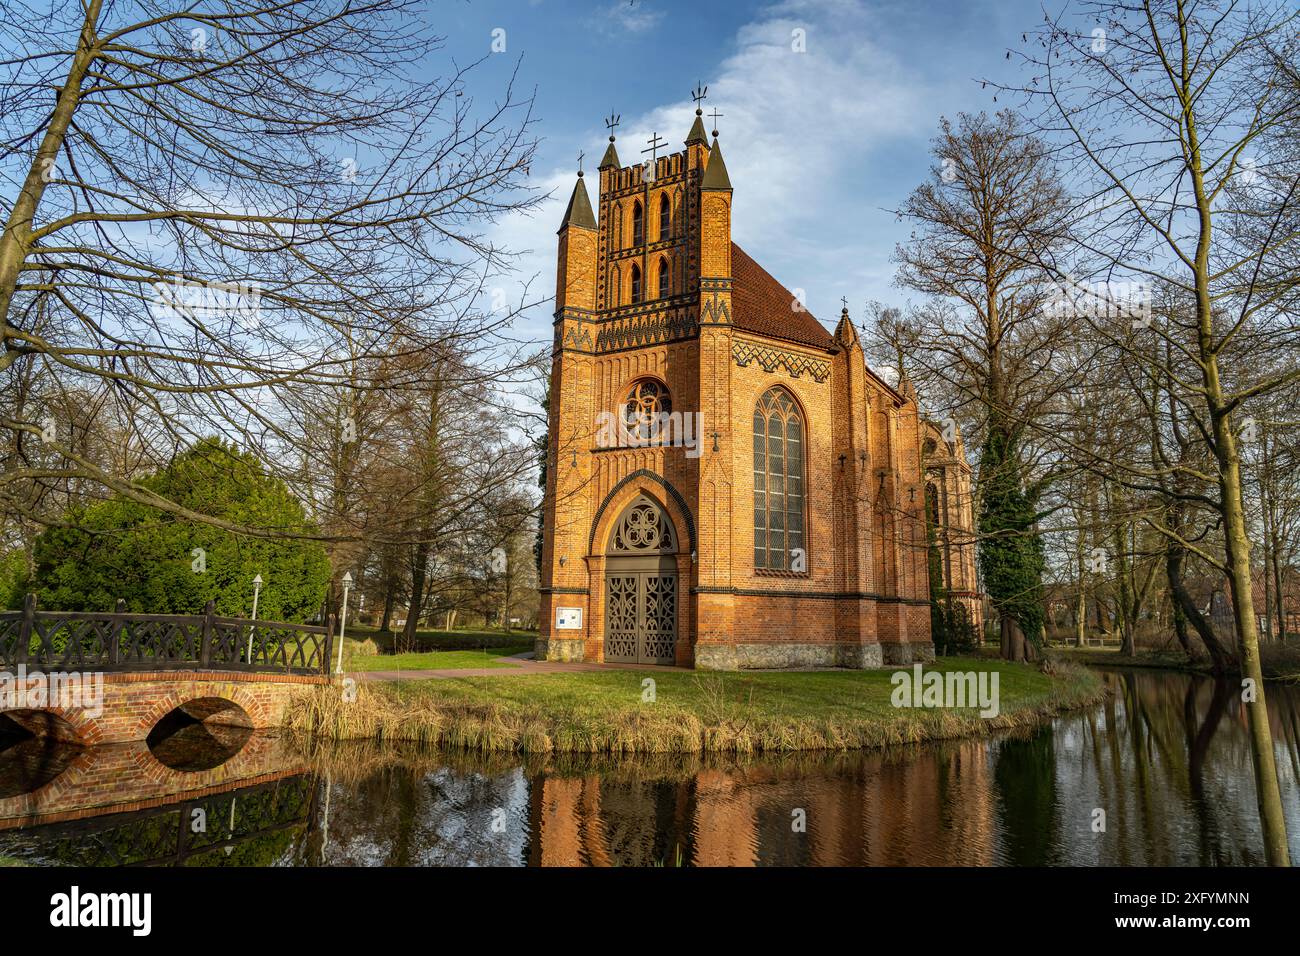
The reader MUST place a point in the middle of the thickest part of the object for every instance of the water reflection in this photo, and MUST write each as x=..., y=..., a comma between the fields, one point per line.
x=28, y=763
x=192, y=746
x=1165, y=758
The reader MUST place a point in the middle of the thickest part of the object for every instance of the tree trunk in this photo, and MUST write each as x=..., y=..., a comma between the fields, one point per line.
x=1015, y=647
x=1236, y=541
x=1220, y=658
x=1081, y=603
x=1180, y=629
x=1267, y=792
x=419, y=568
x=388, y=609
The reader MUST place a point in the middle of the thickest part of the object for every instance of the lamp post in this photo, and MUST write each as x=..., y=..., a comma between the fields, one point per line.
x=257, y=590
x=343, y=618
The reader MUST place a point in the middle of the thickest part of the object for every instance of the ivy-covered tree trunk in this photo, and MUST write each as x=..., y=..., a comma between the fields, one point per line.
x=1010, y=550
x=940, y=624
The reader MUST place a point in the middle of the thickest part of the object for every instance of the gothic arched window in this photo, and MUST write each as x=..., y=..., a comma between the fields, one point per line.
x=778, y=483
x=665, y=278
x=665, y=217
x=638, y=224
x=615, y=287
x=636, y=283
x=643, y=528
x=646, y=409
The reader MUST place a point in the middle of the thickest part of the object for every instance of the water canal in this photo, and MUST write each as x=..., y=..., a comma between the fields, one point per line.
x=1165, y=758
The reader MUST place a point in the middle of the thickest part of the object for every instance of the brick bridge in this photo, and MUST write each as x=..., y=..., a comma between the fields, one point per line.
x=90, y=678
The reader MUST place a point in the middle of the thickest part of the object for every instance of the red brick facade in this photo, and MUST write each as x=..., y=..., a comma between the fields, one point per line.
x=654, y=290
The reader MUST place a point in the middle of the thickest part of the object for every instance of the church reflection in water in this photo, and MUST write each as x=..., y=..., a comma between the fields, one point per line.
x=1164, y=756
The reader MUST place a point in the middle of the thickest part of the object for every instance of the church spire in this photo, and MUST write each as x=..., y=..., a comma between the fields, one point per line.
x=715, y=174
x=905, y=386
x=579, y=211
x=696, y=135
x=845, y=333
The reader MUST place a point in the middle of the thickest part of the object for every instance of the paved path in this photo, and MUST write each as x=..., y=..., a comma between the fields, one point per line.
x=516, y=664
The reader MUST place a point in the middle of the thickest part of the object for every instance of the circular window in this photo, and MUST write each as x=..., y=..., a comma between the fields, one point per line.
x=645, y=413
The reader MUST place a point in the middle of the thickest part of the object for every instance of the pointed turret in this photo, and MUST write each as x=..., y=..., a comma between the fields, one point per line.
x=906, y=388
x=696, y=135
x=579, y=211
x=715, y=174
x=611, y=157
x=845, y=333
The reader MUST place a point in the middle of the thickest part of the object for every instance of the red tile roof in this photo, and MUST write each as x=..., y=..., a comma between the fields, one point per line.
x=764, y=306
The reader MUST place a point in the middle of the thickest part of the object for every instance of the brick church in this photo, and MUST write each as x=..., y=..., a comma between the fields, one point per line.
x=729, y=484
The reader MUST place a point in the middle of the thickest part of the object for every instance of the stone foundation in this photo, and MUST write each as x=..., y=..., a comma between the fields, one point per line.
x=786, y=656
x=860, y=657
x=896, y=654
x=560, y=649
x=716, y=657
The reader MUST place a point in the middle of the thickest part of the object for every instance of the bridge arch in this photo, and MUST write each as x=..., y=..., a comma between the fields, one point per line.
x=69, y=725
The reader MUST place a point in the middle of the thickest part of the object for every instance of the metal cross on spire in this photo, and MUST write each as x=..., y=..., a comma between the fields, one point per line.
x=581, y=154
x=653, y=149
x=714, y=115
x=611, y=124
x=844, y=302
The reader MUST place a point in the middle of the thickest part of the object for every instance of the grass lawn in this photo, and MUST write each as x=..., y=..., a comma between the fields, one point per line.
x=434, y=660
x=446, y=640
x=612, y=711
x=433, y=650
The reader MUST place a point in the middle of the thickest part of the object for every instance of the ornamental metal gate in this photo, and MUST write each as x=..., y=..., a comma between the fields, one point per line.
x=641, y=587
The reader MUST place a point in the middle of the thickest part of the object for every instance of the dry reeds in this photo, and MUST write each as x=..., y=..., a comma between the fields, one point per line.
x=383, y=713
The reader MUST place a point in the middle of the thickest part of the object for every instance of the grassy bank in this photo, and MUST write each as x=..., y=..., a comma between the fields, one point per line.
x=605, y=711
x=1279, y=662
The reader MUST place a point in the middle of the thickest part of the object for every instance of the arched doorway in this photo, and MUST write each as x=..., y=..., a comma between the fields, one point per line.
x=641, y=586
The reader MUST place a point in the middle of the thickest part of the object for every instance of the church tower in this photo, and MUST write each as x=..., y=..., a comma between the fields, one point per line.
x=729, y=485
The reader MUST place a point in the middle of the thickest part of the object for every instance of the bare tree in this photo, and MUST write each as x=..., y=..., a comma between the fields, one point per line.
x=209, y=208
x=988, y=222
x=1161, y=108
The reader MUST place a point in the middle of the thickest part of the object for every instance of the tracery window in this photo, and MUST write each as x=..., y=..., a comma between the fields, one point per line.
x=778, y=483
x=643, y=529
x=636, y=283
x=665, y=278
x=638, y=224
x=665, y=217
x=646, y=409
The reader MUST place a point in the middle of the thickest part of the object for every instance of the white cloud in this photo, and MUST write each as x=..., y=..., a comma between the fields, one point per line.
x=624, y=17
x=800, y=132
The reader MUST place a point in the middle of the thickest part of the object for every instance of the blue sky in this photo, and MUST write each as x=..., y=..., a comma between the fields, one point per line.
x=819, y=144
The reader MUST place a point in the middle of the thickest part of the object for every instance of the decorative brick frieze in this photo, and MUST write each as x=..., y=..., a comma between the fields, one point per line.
x=771, y=359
